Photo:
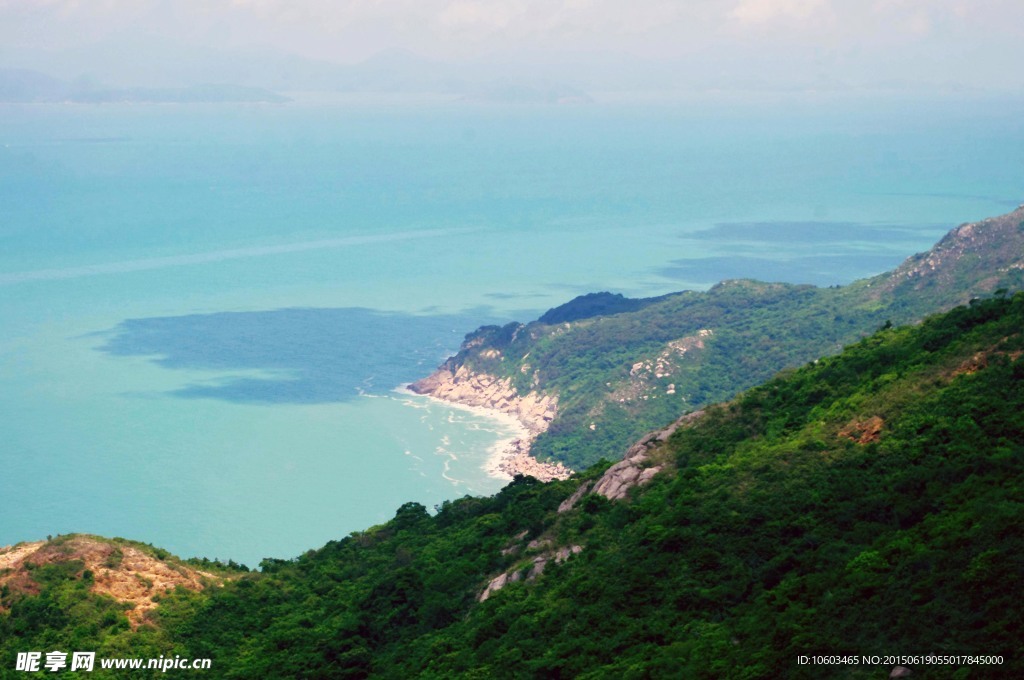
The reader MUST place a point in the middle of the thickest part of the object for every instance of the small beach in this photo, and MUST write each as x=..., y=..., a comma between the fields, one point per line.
x=510, y=455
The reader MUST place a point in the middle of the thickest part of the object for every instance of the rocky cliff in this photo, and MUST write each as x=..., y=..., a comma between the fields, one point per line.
x=463, y=386
x=460, y=385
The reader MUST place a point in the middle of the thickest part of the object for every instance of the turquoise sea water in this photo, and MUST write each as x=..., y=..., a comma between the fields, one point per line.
x=206, y=309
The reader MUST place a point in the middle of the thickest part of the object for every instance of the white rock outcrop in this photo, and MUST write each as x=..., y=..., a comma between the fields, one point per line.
x=463, y=386
x=633, y=470
x=529, y=572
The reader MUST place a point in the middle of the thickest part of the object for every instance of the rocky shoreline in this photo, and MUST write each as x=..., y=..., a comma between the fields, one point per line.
x=516, y=460
x=490, y=393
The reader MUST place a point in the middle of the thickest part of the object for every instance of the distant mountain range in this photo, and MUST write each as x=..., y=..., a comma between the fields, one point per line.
x=140, y=67
x=24, y=86
x=259, y=76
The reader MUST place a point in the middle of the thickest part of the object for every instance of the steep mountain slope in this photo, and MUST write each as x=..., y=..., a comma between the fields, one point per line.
x=609, y=369
x=865, y=504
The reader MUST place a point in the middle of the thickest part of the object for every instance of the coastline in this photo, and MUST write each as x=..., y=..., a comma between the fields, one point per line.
x=509, y=456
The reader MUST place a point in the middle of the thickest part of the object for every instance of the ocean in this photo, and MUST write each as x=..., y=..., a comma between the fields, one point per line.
x=207, y=309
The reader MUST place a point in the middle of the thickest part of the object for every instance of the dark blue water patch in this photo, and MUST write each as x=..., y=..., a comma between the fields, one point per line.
x=814, y=233
x=821, y=270
x=512, y=296
x=309, y=355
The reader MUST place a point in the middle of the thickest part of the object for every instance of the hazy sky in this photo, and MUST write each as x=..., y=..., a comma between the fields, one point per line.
x=970, y=43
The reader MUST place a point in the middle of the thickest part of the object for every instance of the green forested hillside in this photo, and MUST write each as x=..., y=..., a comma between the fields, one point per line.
x=868, y=503
x=621, y=368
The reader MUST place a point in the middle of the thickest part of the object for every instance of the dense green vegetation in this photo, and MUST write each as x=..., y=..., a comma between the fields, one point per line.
x=587, y=351
x=866, y=503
